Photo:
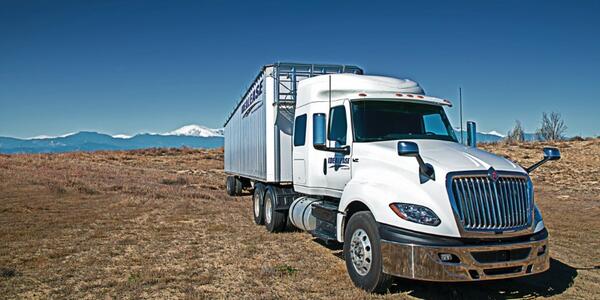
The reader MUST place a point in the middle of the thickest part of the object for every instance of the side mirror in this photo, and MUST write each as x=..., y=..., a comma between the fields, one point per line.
x=426, y=171
x=550, y=153
x=408, y=149
x=320, y=136
x=319, y=131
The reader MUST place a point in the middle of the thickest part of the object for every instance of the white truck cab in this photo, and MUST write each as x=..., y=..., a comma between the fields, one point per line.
x=374, y=164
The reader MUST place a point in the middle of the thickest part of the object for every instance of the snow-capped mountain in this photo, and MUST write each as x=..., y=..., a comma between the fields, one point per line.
x=187, y=130
x=122, y=136
x=45, y=137
x=494, y=132
x=196, y=130
x=482, y=137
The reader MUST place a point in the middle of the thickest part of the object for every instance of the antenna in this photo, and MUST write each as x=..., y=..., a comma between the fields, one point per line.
x=329, y=111
x=461, y=114
x=330, y=92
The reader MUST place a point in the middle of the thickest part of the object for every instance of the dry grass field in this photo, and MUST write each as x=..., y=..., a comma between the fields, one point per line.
x=158, y=224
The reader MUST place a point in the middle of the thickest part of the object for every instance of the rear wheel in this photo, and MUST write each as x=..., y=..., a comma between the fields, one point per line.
x=238, y=185
x=275, y=221
x=258, y=204
x=362, y=252
x=230, y=185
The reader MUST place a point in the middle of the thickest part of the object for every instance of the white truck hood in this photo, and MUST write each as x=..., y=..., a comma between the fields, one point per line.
x=445, y=156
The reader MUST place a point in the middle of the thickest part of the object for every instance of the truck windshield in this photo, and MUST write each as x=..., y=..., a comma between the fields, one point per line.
x=395, y=120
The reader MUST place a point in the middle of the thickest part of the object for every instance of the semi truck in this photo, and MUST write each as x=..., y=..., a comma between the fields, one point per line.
x=373, y=163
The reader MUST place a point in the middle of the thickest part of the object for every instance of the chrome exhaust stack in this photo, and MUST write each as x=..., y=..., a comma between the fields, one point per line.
x=471, y=134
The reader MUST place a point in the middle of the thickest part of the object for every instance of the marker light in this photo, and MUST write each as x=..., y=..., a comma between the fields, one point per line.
x=362, y=94
x=399, y=95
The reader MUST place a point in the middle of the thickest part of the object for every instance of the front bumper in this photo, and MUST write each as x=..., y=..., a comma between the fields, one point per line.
x=414, y=255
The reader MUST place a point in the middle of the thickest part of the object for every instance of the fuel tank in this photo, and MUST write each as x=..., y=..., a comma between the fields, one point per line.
x=301, y=213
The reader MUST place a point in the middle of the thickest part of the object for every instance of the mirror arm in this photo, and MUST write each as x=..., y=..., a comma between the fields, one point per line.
x=422, y=166
x=550, y=153
x=425, y=169
x=536, y=165
x=344, y=150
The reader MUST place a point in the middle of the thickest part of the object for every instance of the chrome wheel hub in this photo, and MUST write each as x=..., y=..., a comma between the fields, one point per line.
x=361, y=252
x=256, y=206
x=268, y=205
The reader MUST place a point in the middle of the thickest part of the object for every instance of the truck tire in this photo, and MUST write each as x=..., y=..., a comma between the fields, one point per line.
x=230, y=185
x=238, y=185
x=275, y=221
x=258, y=205
x=362, y=252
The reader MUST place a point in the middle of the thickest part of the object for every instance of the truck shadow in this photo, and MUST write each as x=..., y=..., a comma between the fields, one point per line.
x=555, y=281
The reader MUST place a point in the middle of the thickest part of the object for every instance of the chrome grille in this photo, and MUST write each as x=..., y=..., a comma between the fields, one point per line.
x=482, y=204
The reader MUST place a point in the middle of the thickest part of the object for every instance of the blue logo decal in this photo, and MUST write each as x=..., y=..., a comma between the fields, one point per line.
x=251, y=99
x=339, y=162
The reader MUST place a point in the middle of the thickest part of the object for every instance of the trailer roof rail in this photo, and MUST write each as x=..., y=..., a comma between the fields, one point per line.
x=287, y=75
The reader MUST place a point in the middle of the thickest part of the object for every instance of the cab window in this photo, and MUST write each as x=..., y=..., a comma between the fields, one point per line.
x=300, y=131
x=338, y=127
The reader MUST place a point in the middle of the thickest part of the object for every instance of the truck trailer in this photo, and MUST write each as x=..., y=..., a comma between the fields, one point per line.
x=372, y=162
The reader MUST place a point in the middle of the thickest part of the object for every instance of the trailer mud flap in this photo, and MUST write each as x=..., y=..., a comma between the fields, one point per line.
x=284, y=197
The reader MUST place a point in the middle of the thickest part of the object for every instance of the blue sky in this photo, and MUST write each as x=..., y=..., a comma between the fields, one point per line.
x=152, y=66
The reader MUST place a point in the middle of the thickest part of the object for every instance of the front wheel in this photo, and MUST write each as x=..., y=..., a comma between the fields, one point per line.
x=362, y=252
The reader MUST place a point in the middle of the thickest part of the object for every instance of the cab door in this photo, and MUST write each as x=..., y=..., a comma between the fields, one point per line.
x=340, y=134
x=299, y=150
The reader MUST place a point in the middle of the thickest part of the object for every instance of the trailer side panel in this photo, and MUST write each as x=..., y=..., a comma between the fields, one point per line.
x=245, y=135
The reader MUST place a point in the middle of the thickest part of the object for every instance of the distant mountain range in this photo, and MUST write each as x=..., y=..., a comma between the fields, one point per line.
x=492, y=136
x=193, y=136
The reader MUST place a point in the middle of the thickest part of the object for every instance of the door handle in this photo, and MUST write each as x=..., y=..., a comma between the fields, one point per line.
x=324, y=166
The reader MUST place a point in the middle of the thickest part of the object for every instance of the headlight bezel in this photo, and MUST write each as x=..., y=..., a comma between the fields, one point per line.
x=416, y=213
x=538, y=220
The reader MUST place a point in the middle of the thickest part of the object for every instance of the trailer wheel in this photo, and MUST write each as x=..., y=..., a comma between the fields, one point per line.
x=238, y=185
x=258, y=204
x=275, y=221
x=362, y=252
x=229, y=184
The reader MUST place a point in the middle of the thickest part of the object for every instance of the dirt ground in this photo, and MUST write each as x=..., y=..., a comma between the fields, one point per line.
x=158, y=224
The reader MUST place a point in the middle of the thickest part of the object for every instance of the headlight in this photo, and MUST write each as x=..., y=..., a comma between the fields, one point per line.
x=416, y=213
x=538, y=222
